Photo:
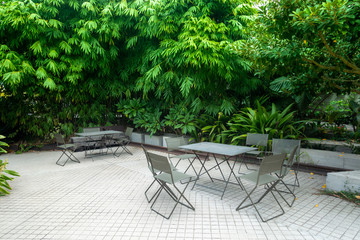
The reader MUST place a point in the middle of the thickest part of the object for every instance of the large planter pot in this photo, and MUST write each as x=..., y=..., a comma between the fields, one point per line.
x=168, y=135
x=137, y=137
x=154, y=140
x=171, y=135
x=339, y=160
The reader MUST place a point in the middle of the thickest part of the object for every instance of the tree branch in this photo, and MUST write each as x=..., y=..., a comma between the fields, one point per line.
x=320, y=65
x=355, y=69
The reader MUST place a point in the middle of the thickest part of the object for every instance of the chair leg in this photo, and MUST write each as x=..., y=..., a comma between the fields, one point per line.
x=124, y=148
x=269, y=189
x=190, y=165
x=147, y=198
x=289, y=192
x=70, y=156
x=177, y=199
x=247, y=167
x=57, y=162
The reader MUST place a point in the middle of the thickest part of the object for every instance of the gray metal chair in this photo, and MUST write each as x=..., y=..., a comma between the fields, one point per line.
x=94, y=142
x=123, y=141
x=149, y=166
x=165, y=175
x=286, y=146
x=263, y=177
x=173, y=145
x=288, y=163
x=66, y=150
x=256, y=140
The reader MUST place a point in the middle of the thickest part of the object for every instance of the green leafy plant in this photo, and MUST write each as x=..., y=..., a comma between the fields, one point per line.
x=214, y=131
x=5, y=173
x=65, y=64
x=337, y=112
x=23, y=147
x=151, y=121
x=278, y=124
x=181, y=120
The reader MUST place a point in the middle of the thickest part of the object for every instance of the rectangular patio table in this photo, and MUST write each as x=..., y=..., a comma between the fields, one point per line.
x=90, y=135
x=213, y=149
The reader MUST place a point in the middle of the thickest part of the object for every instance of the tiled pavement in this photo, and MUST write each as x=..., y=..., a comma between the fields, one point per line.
x=103, y=198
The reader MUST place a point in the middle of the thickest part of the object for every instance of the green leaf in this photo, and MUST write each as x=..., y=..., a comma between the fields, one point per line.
x=65, y=47
x=50, y=84
x=53, y=53
x=36, y=47
x=41, y=73
x=85, y=47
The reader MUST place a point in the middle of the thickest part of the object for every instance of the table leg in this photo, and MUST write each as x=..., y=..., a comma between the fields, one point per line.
x=231, y=173
x=202, y=167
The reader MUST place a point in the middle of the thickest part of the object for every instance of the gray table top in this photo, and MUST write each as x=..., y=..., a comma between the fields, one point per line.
x=98, y=133
x=218, y=148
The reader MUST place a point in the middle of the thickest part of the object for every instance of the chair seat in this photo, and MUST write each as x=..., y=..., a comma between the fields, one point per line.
x=65, y=146
x=256, y=153
x=264, y=179
x=184, y=156
x=177, y=176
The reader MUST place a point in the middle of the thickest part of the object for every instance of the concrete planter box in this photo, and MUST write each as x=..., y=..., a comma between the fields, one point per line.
x=168, y=135
x=137, y=137
x=330, y=159
x=336, y=181
x=343, y=181
x=154, y=140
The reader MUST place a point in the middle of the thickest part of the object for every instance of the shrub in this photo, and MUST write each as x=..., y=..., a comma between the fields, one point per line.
x=4, y=178
x=278, y=124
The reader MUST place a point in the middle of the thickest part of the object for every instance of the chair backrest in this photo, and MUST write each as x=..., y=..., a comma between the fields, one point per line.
x=95, y=129
x=270, y=164
x=159, y=163
x=59, y=139
x=290, y=161
x=129, y=131
x=285, y=146
x=149, y=162
x=257, y=139
x=147, y=157
x=174, y=143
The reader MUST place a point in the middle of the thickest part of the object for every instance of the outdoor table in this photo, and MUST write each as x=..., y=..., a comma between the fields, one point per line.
x=104, y=135
x=213, y=149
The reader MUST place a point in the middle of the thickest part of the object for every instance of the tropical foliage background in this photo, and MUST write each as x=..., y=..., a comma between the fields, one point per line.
x=193, y=67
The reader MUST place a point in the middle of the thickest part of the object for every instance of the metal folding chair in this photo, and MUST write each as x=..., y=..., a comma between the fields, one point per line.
x=66, y=150
x=165, y=175
x=123, y=142
x=173, y=144
x=149, y=166
x=263, y=177
x=256, y=140
x=286, y=146
x=94, y=142
x=288, y=163
x=152, y=183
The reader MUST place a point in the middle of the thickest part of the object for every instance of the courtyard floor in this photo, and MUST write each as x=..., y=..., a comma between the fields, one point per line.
x=103, y=198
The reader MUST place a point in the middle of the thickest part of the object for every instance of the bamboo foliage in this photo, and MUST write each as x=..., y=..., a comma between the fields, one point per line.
x=66, y=63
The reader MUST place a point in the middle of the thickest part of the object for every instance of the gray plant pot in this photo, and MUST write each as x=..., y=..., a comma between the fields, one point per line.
x=154, y=140
x=168, y=135
x=137, y=137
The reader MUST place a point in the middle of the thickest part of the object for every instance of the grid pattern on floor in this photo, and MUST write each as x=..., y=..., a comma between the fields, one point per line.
x=103, y=198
